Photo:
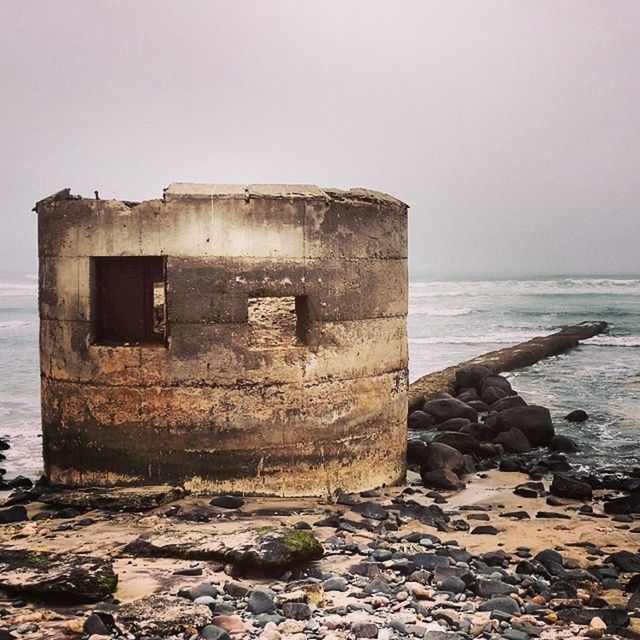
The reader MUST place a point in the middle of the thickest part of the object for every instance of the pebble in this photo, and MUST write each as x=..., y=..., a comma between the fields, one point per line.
x=213, y=632
x=364, y=630
x=261, y=600
x=335, y=584
x=94, y=625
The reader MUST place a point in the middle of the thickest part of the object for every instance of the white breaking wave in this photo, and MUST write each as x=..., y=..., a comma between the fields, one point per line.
x=11, y=324
x=563, y=286
x=614, y=341
x=8, y=289
x=440, y=312
x=508, y=337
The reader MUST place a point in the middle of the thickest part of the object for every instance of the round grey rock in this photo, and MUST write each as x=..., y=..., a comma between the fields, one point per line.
x=261, y=601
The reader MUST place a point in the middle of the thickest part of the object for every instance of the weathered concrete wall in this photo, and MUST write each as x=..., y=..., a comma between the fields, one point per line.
x=221, y=407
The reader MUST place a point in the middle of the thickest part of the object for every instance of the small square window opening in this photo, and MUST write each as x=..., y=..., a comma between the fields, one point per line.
x=129, y=300
x=278, y=321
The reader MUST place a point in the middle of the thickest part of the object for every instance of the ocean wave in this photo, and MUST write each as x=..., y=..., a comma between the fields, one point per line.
x=507, y=337
x=8, y=289
x=614, y=341
x=440, y=312
x=562, y=286
x=11, y=324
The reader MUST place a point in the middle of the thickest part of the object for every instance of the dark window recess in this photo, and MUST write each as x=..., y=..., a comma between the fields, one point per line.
x=278, y=321
x=129, y=300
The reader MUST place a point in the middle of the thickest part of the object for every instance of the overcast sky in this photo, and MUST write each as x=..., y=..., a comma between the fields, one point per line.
x=511, y=128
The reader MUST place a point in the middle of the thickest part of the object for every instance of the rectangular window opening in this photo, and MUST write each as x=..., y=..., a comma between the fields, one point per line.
x=129, y=300
x=278, y=321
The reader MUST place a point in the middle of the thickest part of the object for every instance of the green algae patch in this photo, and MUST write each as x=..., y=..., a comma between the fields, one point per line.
x=303, y=542
x=57, y=577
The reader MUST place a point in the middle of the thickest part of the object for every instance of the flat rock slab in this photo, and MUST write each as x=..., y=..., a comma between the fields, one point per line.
x=262, y=549
x=66, y=578
x=116, y=498
x=161, y=616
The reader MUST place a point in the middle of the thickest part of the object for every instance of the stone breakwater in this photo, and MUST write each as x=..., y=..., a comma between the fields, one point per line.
x=520, y=355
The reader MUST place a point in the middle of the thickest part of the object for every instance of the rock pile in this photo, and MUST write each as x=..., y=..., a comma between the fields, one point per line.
x=486, y=420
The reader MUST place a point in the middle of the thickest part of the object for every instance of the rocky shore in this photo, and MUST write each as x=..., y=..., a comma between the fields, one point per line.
x=494, y=535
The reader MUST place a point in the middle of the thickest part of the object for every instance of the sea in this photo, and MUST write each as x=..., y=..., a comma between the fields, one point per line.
x=449, y=322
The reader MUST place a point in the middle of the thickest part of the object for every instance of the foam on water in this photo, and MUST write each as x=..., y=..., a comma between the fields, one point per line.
x=13, y=289
x=508, y=337
x=561, y=286
x=417, y=310
x=614, y=341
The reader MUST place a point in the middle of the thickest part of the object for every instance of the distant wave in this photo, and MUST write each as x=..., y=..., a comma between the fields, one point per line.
x=8, y=289
x=11, y=324
x=563, y=286
x=614, y=341
x=440, y=312
x=507, y=337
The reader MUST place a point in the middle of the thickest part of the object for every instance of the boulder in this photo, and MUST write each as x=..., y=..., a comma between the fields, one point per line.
x=261, y=600
x=16, y=513
x=508, y=402
x=442, y=479
x=371, y=510
x=415, y=451
x=534, y=421
x=95, y=624
x=463, y=442
x=114, y=499
x=513, y=441
x=212, y=632
x=622, y=506
x=563, y=444
x=162, y=616
x=529, y=490
x=496, y=381
x=441, y=456
x=263, y=549
x=625, y=561
x=469, y=465
x=551, y=560
x=68, y=577
x=227, y=502
x=472, y=376
x=445, y=408
x=564, y=486
x=468, y=394
x=479, y=430
x=453, y=584
x=420, y=421
x=504, y=604
x=429, y=561
x=577, y=415
x=492, y=395
x=489, y=588
x=453, y=424
x=485, y=530
x=479, y=406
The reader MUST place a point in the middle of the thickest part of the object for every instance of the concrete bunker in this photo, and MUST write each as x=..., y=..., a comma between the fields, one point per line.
x=225, y=337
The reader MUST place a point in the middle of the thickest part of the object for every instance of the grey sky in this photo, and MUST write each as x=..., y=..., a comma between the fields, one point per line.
x=511, y=128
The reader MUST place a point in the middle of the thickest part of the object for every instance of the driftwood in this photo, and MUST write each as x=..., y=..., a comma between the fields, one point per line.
x=520, y=355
